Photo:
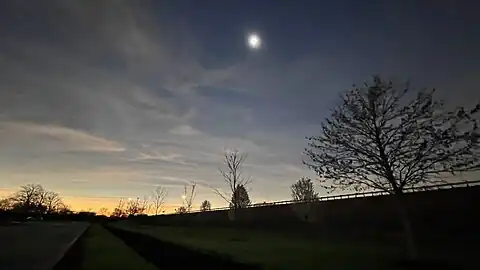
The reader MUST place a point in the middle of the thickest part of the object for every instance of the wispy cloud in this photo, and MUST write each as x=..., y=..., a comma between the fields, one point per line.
x=70, y=139
x=184, y=130
x=156, y=156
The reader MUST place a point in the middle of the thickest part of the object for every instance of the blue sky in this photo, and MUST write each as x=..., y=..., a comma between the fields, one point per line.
x=107, y=99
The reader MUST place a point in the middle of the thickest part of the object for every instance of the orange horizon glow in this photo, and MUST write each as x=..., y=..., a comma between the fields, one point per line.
x=93, y=204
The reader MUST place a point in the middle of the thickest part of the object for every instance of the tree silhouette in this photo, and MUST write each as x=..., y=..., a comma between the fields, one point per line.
x=119, y=210
x=5, y=204
x=137, y=206
x=103, y=211
x=240, y=198
x=205, y=206
x=379, y=139
x=64, y=210
x=233, y=176
x=303, y=191
x=158, y=199
x=189, y=196
x=28, y=198
x=52, y=202
x=33, y=198
x=181, y=210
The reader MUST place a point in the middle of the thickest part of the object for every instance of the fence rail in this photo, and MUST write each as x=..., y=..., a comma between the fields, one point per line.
x=362, y=194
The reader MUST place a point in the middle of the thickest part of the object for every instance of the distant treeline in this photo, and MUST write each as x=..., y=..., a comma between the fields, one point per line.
x=33, y=202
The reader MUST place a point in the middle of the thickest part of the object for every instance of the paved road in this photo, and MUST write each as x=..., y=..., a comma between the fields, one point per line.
x=36, y=245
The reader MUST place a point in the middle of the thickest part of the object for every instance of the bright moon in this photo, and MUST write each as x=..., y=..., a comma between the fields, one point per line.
x=254, y=41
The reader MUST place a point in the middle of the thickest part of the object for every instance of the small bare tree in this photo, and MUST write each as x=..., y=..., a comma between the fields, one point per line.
x=376, y=139
x=133, y=206
x=233, y=176
x=137, y=206
x=158, y=199
x=205, y=206
x=103, y=211
x=145, y=205
x=304, y=191
x=119, y=210
x=181, y=210
x=64, y=209
x=189, y=196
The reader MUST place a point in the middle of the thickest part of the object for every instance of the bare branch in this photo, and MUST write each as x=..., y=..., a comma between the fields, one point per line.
x=221, y=194
x=189, y=196
x=158, y=199
x=232, y=175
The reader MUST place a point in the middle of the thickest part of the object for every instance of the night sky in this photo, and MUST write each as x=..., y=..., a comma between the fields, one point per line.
x=107, y=99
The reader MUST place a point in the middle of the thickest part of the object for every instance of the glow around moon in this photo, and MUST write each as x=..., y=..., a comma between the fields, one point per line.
x=254, y=41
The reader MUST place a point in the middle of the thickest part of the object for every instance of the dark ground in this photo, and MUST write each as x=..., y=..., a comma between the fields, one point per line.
x=36, y=245
x=39, y=245
x=220, y=254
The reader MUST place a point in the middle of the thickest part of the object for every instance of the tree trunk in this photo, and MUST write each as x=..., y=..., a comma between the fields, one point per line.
x=407, y=225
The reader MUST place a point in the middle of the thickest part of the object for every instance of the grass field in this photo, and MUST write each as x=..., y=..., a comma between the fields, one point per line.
x=104, y=251
x=275, y=250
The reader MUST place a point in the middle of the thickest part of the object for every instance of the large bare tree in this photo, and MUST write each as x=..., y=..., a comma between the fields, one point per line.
x=377, y=138
x=34, y=198
x=29, y=197
x=233, y=177
x=304, y=191
x=52, y=201
x=158, y=199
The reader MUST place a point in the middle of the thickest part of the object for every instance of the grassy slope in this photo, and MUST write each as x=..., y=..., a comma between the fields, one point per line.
x=273, y=250
x=104, y=251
